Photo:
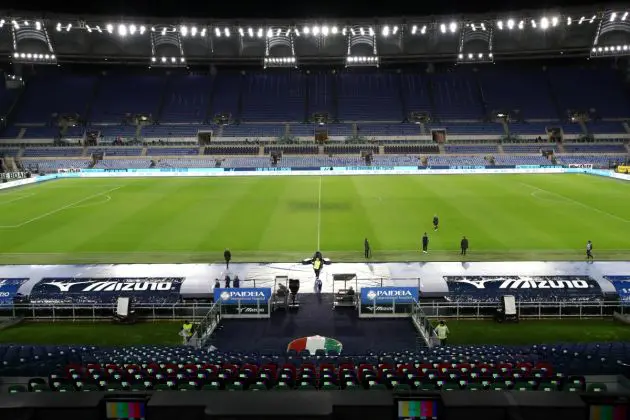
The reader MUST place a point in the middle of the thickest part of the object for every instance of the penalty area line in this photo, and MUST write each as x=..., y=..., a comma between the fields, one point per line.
x=579, y=203
x=67, y=206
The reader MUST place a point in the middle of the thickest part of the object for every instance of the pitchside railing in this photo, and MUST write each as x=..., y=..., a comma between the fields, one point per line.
x=532, y=310
x=197, y=311
x=423, y=324
x=206, y=326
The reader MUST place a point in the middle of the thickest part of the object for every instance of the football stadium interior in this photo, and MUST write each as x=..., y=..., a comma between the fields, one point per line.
x=414, y=209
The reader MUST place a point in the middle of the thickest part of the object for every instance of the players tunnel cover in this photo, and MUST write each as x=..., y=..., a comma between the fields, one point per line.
x=314, y=343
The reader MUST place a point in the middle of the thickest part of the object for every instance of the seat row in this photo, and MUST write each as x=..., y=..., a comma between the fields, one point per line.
x=305, y=382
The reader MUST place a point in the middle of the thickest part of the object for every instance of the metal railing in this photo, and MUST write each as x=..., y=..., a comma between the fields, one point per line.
x=532, y=310
x=198, y=311
x=424, y=326
x=206, y=326
x=99, y=312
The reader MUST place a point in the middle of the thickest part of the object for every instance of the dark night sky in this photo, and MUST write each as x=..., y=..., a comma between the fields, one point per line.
x=282, y=9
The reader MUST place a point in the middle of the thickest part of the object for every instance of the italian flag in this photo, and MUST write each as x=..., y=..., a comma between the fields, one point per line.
x=314, y=343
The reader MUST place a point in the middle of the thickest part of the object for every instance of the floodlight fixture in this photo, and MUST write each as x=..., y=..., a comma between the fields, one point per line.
x=443, y=28
x=168, y=61
x=217, y=32
x=58, y=27
x=362, y=61
x=423, y=30
x=279, y=62
x=385, y=31
x=544, y=23
x=34, y=58
x=38, y=25
x=110, y=28
x=610, y=51
x=625, y=16
x=241, y=32
x=478, y=57
x=569, y=21
x=2, y=22
x=183, y=30
x=452, y=27
x=414, y=29
x=521, y=25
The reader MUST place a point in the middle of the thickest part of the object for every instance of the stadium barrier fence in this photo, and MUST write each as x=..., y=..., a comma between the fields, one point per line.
x=206, y=326
x=424, y=326
x=198, y=311
x=150, y=312
x=531, y=310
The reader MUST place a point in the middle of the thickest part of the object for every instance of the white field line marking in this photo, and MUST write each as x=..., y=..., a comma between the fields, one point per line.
x=107, y=198
x=41, y=216
x=579, y=203
x=20, y=197
x=319, y=213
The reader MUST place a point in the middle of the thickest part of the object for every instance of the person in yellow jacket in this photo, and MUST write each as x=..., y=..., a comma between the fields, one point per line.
x=442, y=332
x=187, y=331
x=317, y=267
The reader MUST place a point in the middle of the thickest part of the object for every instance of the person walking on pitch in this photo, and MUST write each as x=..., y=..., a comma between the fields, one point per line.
x=368, y=250
x=464, y=245
x=227, y=255
x=589, y=251
x=436, y=223
x=425, y=243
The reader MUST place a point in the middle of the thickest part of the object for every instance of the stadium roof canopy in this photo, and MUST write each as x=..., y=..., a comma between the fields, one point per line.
x=583, y=32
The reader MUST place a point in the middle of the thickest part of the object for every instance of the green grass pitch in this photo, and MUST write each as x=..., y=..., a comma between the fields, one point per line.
x=462, y=332
x=178, y=220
